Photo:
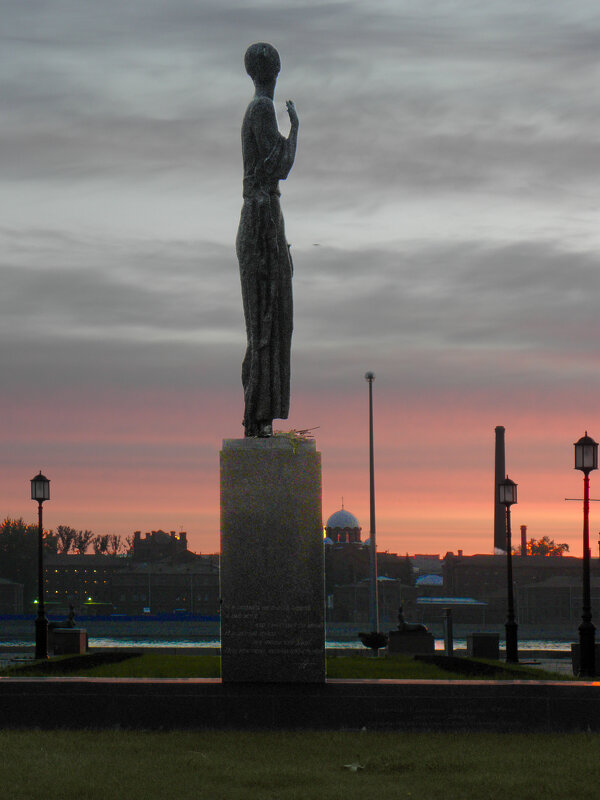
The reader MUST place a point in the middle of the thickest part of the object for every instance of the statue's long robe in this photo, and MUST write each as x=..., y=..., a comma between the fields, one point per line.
x=265, y=268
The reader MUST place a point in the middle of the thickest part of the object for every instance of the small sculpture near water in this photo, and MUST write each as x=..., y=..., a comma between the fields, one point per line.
x=410, y=637
x=409, y=627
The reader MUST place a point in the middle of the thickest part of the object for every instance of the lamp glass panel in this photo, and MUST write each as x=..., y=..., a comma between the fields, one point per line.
x=586, y=456
x=40, y=490
x=507, y=493
x=590, y=455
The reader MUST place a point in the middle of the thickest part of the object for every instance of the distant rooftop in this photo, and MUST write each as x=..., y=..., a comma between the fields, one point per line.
x=449, y=601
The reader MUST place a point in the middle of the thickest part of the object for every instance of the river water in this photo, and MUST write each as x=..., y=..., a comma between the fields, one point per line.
x=550, y=645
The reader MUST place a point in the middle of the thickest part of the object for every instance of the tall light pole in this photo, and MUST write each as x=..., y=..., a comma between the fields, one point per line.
x=374, y=599
x=507, y=496
x=586, y=460
x=40, y=491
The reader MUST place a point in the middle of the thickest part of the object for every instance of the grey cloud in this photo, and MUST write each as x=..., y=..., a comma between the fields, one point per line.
x=51, y=367
x=449, y=111
x=526, y=307
x=393, y=103
x=68, y=288
x=466, y=300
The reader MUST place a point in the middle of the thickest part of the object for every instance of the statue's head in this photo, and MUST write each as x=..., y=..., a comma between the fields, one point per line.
x=262, y=62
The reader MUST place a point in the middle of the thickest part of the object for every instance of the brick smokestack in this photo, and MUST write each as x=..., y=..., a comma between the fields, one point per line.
x=499, y=510
x=523, y=540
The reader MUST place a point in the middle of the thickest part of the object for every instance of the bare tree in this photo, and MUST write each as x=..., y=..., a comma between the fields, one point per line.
x=115, y=544
x=100, y=544
x=82, y=540
x=65, y=537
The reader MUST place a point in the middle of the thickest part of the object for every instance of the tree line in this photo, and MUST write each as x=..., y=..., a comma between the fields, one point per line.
x=544, y=547
x=69, y=540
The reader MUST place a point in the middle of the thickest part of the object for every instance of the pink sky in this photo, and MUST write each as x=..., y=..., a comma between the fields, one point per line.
x=148, y=466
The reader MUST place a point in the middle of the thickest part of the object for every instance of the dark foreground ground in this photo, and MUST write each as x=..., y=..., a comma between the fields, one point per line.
x=382, y=705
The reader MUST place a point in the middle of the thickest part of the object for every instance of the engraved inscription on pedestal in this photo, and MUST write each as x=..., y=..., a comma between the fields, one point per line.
x=272, y=579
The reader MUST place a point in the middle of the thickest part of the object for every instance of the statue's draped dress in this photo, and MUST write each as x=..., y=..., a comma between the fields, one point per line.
x=265, y=268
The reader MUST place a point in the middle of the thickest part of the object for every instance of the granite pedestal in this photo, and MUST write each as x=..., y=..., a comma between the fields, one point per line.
x=272, y=565
x=484, y=645
x=576, y=658
x=69, y=641
x=411, y=642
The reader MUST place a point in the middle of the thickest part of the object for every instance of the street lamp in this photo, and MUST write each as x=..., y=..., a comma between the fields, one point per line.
x=507, y=496
x=586, y=460
x=40, y=491
x=374, y=599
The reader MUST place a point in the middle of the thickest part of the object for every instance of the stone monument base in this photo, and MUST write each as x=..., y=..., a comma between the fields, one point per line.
x=576, y=658
x=484, y=645
x=69, y=641
x=272, y=564
x=411, y=642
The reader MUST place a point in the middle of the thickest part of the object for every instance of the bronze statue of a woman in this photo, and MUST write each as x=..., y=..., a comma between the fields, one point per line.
x=262, y=250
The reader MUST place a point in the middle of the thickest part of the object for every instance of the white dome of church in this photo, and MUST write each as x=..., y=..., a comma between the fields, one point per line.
x=343, y=527
x=342, y=519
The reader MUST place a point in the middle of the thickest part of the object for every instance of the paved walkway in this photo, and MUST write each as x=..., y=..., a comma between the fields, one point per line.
x=425, y=705
x=561, y=666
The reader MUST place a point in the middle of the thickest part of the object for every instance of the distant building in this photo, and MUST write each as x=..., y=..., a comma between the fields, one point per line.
x=558, y=600
x=426, y=564
x=80, y=580
x=159, y=574
x=430, y=585
x=465, y=610
x=159, y=545
x=350, y=602
x=347, y=560
x=159, y=587
x=546, y=587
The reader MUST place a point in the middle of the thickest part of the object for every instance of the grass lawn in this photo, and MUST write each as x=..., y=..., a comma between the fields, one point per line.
x=399, y=666
x=91, y=765
x=160, y=665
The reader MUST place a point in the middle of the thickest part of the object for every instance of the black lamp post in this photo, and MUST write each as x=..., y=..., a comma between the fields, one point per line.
x=40, y=491
x=507, y=496
x=586, y=460
x=374, y=599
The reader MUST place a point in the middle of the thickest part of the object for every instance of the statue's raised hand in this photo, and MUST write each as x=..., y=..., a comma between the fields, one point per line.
x=291, y=109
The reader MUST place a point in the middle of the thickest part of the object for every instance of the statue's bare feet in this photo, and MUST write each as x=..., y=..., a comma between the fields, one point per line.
x=261, y=428
x=265, y=429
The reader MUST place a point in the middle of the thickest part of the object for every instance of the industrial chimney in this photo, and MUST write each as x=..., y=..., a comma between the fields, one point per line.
x=523, y=540
x=499, y=510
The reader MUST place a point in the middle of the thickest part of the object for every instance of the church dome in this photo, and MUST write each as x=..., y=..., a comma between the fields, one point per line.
x=343, y=528
x=342, y=519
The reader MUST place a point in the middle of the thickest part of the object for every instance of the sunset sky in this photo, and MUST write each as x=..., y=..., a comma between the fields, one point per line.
x=444, y=217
